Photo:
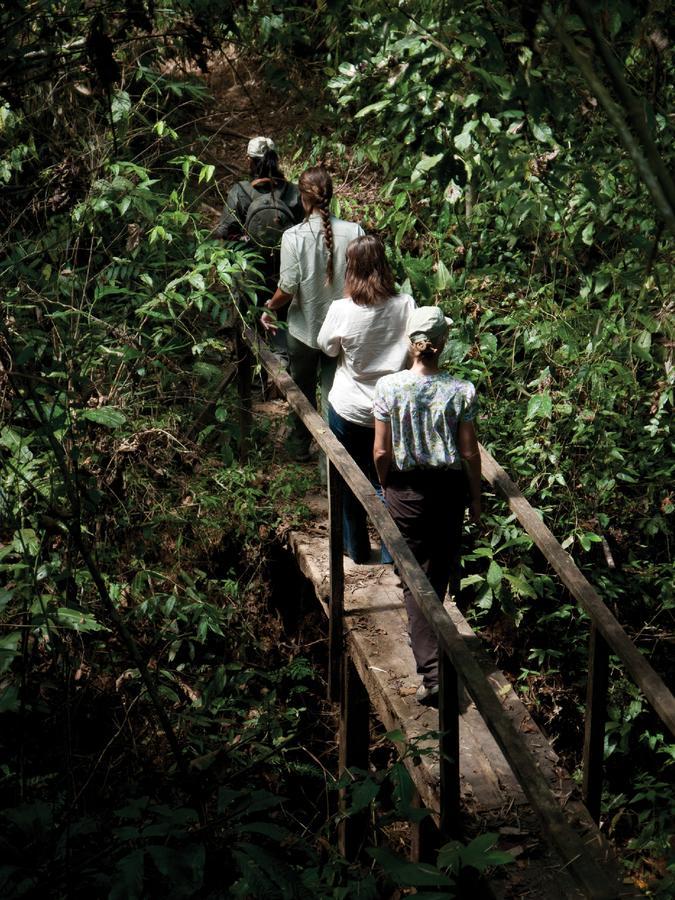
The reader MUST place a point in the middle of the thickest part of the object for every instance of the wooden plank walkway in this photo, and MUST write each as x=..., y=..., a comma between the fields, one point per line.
x=376, y=638
x=578, y=861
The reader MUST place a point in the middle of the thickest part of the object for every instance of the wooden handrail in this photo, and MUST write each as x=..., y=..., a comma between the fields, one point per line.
x=567, y=842
x=639, y=668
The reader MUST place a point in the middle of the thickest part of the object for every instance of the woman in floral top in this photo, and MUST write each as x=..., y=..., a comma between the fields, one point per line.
x=425, y=452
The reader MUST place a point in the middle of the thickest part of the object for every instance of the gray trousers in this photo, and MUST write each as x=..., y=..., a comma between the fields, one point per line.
x=308, y=368
x=428, y=507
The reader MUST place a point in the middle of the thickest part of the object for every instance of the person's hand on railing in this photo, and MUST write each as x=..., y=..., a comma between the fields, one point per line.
x=269, y=322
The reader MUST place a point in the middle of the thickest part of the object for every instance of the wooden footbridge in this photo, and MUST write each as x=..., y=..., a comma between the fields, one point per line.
x=492, y=762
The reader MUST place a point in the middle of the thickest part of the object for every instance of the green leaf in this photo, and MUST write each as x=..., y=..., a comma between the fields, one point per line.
x=8, y=649
x=588, y=233
x=206, y=173
x=409, y=874
x=128, y=884
x=542, y=132
x=470, y=100
x=120, y=106
x=586, y=538
x=196, y=279
x=520, y=586
x=371, y=108
x=77, y=620
x=480, y=855
x=362, y=795
x=9, y=702
x=494, y=575
x=471, y=579
x=443, y=277
x=426, y=164
x=540, y=406
x=463, y=141
x=104, y=415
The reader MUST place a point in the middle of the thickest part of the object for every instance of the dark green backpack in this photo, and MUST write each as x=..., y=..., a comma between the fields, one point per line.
x=267, y=216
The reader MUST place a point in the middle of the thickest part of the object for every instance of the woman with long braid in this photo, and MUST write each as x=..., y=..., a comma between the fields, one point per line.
x=313, y=262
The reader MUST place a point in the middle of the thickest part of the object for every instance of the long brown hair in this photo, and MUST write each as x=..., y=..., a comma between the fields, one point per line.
x=368, y=278
x=316, y=187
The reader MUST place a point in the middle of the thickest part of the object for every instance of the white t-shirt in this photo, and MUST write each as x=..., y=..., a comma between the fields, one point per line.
x=371, y=342
x=303, y=273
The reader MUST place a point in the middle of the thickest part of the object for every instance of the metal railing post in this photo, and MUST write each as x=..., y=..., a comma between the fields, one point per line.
x=594, y=730
x=336, y=489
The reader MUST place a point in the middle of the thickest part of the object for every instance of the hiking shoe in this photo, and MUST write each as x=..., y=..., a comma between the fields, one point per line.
x=427, y=695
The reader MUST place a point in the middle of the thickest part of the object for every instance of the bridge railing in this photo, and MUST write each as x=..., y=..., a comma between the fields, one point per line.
x=456, y=659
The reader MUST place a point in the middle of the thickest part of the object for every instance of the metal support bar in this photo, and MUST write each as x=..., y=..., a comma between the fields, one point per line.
x=596, y=714
x=354, y=746
x=448, y=721
x=336, y=489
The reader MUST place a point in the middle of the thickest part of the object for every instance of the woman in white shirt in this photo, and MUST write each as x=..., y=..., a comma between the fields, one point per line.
x=366, y=330
x=312, y=273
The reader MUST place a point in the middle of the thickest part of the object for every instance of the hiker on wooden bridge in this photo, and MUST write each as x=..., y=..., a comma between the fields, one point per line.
x=313, y=263
x=424, y=433
x=366, y=332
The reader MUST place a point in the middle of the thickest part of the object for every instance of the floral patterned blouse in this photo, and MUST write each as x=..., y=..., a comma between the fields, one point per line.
x=424, y=412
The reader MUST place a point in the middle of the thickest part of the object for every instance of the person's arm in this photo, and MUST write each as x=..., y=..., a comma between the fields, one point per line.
x=468, y=450
x=329, y=339
x=382, y=450
x=289, y=279
x=231, y=224
x=278, y=299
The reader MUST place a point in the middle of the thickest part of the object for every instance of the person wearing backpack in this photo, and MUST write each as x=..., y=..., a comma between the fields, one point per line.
x=260, y=210
x=313, y=263
x=263, y=207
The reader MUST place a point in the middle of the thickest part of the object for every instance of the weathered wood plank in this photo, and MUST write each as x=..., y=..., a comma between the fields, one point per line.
x=448, y=724
x=596, y=714
x=354, y=746
x=337, y=582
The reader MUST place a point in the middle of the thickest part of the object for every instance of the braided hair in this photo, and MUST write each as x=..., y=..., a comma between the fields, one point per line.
x=316, y=188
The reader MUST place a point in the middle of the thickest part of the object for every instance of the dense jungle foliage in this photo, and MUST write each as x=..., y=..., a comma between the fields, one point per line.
x=156, y=714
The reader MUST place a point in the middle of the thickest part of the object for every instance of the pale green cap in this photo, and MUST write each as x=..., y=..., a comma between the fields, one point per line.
x=257, y=147
x=428, y=323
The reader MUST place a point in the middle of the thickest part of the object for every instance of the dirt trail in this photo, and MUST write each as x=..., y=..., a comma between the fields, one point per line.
x=246, y=105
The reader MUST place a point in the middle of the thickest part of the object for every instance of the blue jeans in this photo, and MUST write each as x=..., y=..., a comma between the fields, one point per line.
x=358, y=442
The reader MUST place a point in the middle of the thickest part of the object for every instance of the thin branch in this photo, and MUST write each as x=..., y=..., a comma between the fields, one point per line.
x=663, y=205
x=631, y=103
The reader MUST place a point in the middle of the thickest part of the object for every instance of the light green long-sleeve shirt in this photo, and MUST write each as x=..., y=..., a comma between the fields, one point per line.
x=303, y=273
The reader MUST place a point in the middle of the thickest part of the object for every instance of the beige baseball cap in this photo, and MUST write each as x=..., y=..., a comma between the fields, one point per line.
x=427, y=322
x=257, y=147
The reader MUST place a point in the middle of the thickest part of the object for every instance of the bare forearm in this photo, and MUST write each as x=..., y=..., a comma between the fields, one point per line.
x=471, y=464
x=279, y=299
x=382, y=461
